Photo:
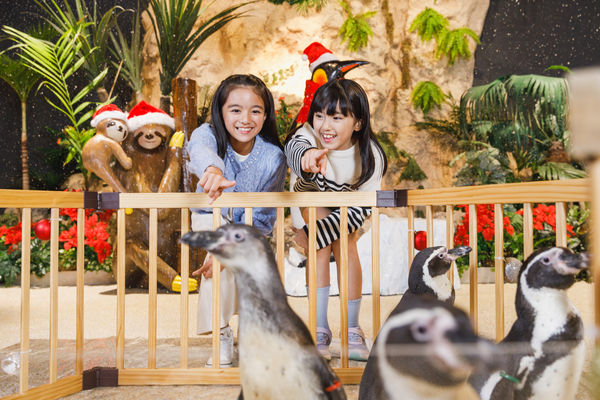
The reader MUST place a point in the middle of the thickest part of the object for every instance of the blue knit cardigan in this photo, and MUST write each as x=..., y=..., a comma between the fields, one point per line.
x=263, y=171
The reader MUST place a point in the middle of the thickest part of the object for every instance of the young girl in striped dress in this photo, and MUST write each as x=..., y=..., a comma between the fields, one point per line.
x=336, y=151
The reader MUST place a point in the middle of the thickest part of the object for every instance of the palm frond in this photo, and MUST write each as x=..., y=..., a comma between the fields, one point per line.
x=130, y=52
x=173, y=24
x=554, y=171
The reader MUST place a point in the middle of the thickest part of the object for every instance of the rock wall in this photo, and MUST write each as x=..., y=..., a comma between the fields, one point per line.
x=270, y=40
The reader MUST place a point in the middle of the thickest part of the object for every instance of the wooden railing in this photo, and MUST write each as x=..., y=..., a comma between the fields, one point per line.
x=558, y=192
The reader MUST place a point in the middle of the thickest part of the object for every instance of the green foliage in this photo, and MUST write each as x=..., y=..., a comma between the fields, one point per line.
x=94, y=32
x=388, y=145
x=454, y=43
x=272, y=78
x=56, y=63
x=554, y=171
x=482, y=167
x=356, y=30
x=130, y=52
x=176, y=36
x=427, y=95
x=429, y=24
x=284, y=118
x=558, y=67
x=412, y=171
x=10, y=261
x=303, y=6
x=55, y=173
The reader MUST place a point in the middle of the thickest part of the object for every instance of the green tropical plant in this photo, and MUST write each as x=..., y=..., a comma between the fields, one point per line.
x=94, y=34
x=356, y=30
x=455, y=43
x=483, y=166
x=558, y=67
x=429, y=24
x=56, y=63
x=387, y=144
x=554, y=171
x=177, y=37
x=130, y=52
x=427, y=95
x=412, y=171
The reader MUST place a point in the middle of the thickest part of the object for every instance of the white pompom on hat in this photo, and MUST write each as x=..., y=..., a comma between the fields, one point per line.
x=317, y=54
x=109, y=111
x=145, y=114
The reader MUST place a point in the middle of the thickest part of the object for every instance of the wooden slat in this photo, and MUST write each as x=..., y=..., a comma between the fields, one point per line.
x=248, y=199
x=499, y=267
x=120, y=339
x=57, y=390
x=53, y=356
x=152, y=284
x=25, y=298
x=429, y=223
x=185, y=289
x=529, y=192
x=376, y=272
x=216, y=299
x=248, y=215
x=343, y=280
x=312, y=272
x=79, y=340
x=411, y=235
x=207, y=376
x=473, y=265
x=280, y=239
x=527, y=230
x=450, y=239
x=40, y=199
x=561, y=224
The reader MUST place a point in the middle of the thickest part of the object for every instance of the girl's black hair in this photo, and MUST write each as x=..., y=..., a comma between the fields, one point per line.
x=353, y=101
x=268, y=131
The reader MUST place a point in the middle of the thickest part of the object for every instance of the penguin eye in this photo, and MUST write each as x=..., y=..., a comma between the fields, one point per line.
x=546, y=260
x=238, y=237
x=441, y=255
x=420, y=332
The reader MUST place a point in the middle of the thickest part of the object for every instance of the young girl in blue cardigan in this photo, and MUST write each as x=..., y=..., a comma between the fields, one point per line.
x=239, y=152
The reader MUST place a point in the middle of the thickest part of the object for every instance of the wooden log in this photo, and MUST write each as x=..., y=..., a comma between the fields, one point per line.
x=185, y=113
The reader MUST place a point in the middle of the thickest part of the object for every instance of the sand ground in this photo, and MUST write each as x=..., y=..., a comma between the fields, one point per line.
x=100, y=328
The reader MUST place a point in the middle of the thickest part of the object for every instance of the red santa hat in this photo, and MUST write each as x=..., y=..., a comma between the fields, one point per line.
x=144, y=114
x=109, y=111
x=317, y=54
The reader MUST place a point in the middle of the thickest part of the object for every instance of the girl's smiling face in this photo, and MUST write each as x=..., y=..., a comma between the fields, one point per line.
x=243, y=116
x=335, y=130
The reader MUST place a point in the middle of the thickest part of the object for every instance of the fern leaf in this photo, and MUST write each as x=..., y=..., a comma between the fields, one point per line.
x=427, y=95
x=429, y=24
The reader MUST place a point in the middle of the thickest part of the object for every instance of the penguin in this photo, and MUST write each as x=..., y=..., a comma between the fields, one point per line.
x=427, y=277
x=278, y=358
x=324, y=67
x=546, y=354
x=428, y=273
x=426, y=350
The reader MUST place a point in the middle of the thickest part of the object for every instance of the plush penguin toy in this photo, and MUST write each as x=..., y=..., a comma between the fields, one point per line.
x=546, y=352
x=426, y=351
x=428, y=270
x=278, y=358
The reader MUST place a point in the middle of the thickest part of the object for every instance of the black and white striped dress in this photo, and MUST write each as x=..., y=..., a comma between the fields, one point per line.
x=343, y=169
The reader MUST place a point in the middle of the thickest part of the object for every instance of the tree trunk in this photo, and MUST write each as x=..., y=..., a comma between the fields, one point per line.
x=102, y=94
x=24, y=153
x=139, y=96
x=165, y=103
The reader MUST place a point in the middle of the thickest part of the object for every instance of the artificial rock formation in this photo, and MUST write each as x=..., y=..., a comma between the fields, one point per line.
x=270, y=40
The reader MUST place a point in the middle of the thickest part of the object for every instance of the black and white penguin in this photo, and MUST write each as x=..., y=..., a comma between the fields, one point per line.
x=545, y=344
x=278, y=358
x=426, y=350
x=428, y=273
x=427, y=277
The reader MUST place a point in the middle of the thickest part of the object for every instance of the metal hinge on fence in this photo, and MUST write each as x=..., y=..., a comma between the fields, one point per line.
x=101, y=201
x=100, y=377
x=392, y=198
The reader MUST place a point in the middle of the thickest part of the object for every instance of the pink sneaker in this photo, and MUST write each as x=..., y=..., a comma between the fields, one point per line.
x=357, y=346
x=323, y=342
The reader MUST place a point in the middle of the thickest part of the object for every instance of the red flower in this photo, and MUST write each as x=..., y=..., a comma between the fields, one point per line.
x=69, y=237
x=69, y=212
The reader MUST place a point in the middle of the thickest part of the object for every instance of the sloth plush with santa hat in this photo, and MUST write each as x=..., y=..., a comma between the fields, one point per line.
x=97, y=153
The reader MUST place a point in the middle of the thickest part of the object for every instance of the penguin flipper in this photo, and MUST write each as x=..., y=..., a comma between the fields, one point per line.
x=330, y=382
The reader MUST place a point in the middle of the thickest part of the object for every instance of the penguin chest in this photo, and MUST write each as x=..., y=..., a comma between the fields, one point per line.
x=559, y=380
x=272, y=366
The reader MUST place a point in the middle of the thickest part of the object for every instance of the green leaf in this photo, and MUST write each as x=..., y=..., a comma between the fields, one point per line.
x=427, y=95
x=429, y=24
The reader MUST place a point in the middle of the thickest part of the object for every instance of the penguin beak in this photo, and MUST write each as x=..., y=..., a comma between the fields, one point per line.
x=209, y=240
x=344, y=67
x=571, y=263
x=483, y=355
x=458, y=252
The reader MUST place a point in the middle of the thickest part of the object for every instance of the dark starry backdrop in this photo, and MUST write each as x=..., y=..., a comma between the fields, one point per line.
x=519, y=37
